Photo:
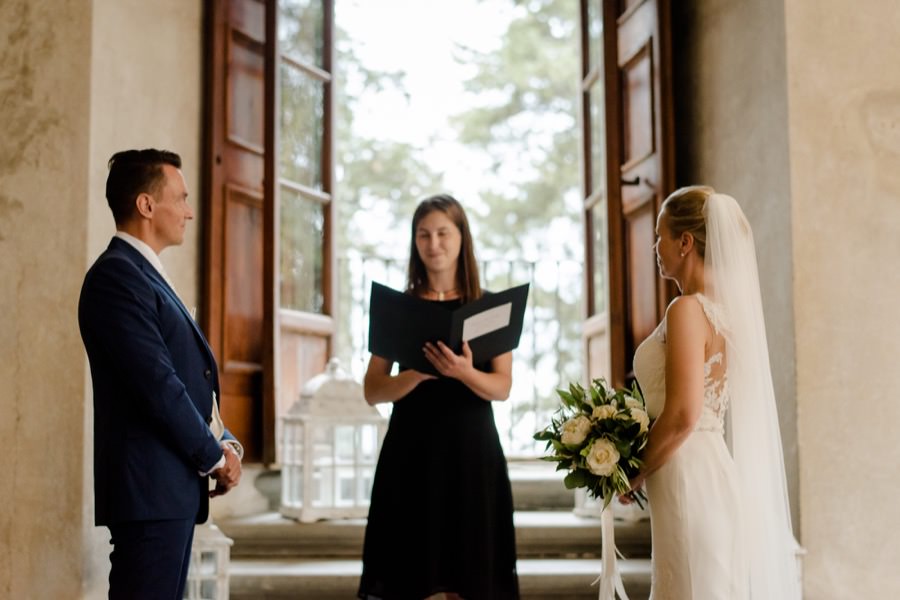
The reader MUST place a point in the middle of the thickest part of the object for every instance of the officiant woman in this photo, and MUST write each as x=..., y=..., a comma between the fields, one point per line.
x=440, y=520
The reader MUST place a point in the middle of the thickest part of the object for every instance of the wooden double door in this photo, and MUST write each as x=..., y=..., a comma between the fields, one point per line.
x=256, y=169
x=267, y=207
x=630, y=169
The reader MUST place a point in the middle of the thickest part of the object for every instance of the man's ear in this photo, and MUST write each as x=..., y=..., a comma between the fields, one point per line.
x=144, y=205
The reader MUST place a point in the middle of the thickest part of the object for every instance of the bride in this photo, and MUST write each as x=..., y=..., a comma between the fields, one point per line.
x=720, y=520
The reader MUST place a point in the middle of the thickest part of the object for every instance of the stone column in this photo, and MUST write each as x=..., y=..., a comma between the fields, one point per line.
x=49, y=545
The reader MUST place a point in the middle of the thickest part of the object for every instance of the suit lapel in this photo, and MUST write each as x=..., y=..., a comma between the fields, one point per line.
x=156, y=277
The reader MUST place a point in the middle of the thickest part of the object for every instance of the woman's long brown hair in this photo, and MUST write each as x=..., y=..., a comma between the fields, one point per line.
x=467, y=280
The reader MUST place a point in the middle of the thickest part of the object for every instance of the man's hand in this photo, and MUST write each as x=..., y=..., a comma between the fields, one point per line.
x=228, y=476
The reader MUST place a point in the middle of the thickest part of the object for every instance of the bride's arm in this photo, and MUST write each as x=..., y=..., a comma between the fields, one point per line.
x=686, y=333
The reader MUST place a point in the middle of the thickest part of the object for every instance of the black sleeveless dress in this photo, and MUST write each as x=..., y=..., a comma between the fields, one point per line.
x=441, y=513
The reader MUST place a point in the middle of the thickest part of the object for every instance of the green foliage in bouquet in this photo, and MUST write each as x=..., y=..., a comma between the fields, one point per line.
x=597, y=436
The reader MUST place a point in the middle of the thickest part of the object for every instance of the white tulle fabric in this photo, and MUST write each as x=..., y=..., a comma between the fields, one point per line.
x=732, y=283
x=720, y=520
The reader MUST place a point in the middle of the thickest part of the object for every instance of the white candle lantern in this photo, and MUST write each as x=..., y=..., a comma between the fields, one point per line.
x=330, y=443
x=208, y=572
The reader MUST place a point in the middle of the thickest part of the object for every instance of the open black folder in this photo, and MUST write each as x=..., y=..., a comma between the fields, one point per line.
x=400, y=324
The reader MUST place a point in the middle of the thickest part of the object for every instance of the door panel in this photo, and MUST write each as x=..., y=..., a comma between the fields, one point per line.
x=641, y=273
x=637, y=105
x=644, y=173
x=268, y=159
x=634, y=74
x=233, y=213
x=243, y=254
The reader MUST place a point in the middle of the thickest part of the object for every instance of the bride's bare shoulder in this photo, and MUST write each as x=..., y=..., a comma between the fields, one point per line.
x=685, y=311
x=684, y=305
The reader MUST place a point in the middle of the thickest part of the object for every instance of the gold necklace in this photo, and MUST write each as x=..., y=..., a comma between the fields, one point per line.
x=440, y=295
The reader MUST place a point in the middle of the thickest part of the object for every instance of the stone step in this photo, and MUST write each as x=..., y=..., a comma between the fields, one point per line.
x=320, y=579
x=536, y=485
x=539, y=534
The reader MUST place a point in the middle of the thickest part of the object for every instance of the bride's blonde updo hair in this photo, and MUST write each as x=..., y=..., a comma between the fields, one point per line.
x=684, y=207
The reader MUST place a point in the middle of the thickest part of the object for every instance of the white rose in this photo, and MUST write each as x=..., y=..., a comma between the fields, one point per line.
x=632, y=402
x=606, y=411
x=575, y=430
x=602, y=457
x=641, y=417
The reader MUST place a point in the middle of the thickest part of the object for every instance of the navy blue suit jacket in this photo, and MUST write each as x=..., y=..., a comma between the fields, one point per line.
x=154, y=376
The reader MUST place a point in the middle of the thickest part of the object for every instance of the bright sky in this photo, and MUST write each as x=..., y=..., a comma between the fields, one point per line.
x=419, y=37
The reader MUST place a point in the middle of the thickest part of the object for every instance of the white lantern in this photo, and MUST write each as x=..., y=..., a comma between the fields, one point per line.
x=208, y=572
x=330, y=443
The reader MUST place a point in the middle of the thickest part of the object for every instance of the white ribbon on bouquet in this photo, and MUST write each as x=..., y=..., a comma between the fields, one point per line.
x=610, y=578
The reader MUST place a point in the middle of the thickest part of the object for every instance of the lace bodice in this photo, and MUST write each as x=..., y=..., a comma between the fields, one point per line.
x=650, y=370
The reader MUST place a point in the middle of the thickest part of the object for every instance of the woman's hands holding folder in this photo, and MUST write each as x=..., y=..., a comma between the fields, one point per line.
x=489, y=386
x=380, y=386
x=448, y=363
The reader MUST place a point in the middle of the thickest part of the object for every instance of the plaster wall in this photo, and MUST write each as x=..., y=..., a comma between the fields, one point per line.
x=731, y=110
x=44, y=159
x=147, y=92
x=844, y=128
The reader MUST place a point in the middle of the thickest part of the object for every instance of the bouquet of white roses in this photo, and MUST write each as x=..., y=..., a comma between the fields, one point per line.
x=597, y=435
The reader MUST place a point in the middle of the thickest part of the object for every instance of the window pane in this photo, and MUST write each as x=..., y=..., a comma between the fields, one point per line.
x=598, y=138
x=601, y=254
x=300, y=28
x=302, y=105
x=595, y=33
x=302, y=231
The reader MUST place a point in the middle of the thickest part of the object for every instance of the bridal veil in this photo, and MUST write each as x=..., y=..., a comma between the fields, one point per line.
x=732, y=281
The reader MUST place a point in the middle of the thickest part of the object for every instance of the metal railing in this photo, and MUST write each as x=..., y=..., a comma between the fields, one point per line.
x=549, y=353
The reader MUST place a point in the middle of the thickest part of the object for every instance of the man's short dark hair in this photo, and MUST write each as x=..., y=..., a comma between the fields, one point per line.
x=134, y=172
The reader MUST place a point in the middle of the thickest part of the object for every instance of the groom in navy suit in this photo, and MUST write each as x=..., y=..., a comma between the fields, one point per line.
x=158, y=437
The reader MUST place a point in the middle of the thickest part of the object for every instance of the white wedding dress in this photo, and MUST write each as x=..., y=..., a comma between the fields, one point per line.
x=694, y=500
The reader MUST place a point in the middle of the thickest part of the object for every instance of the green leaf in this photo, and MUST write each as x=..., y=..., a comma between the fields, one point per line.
x=544, y=435
x=566, y=397
x=573, y=480
x=577, y=391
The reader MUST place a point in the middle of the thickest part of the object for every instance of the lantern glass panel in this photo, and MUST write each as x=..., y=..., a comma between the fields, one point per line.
x=364, y=483
x=346, y=487
x=323, y=486
x=207, y=563
x=368, y=444
x=323, y=440
x=292, y=485
x=208, y=589
x=293, y=444
x=344, y=441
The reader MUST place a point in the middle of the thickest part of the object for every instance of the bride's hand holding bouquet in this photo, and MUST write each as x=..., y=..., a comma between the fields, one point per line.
x=597, y=436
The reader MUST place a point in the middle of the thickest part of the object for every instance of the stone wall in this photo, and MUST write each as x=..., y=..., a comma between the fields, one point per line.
x=44, y=162
x=794, y=108
x=844, y=126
